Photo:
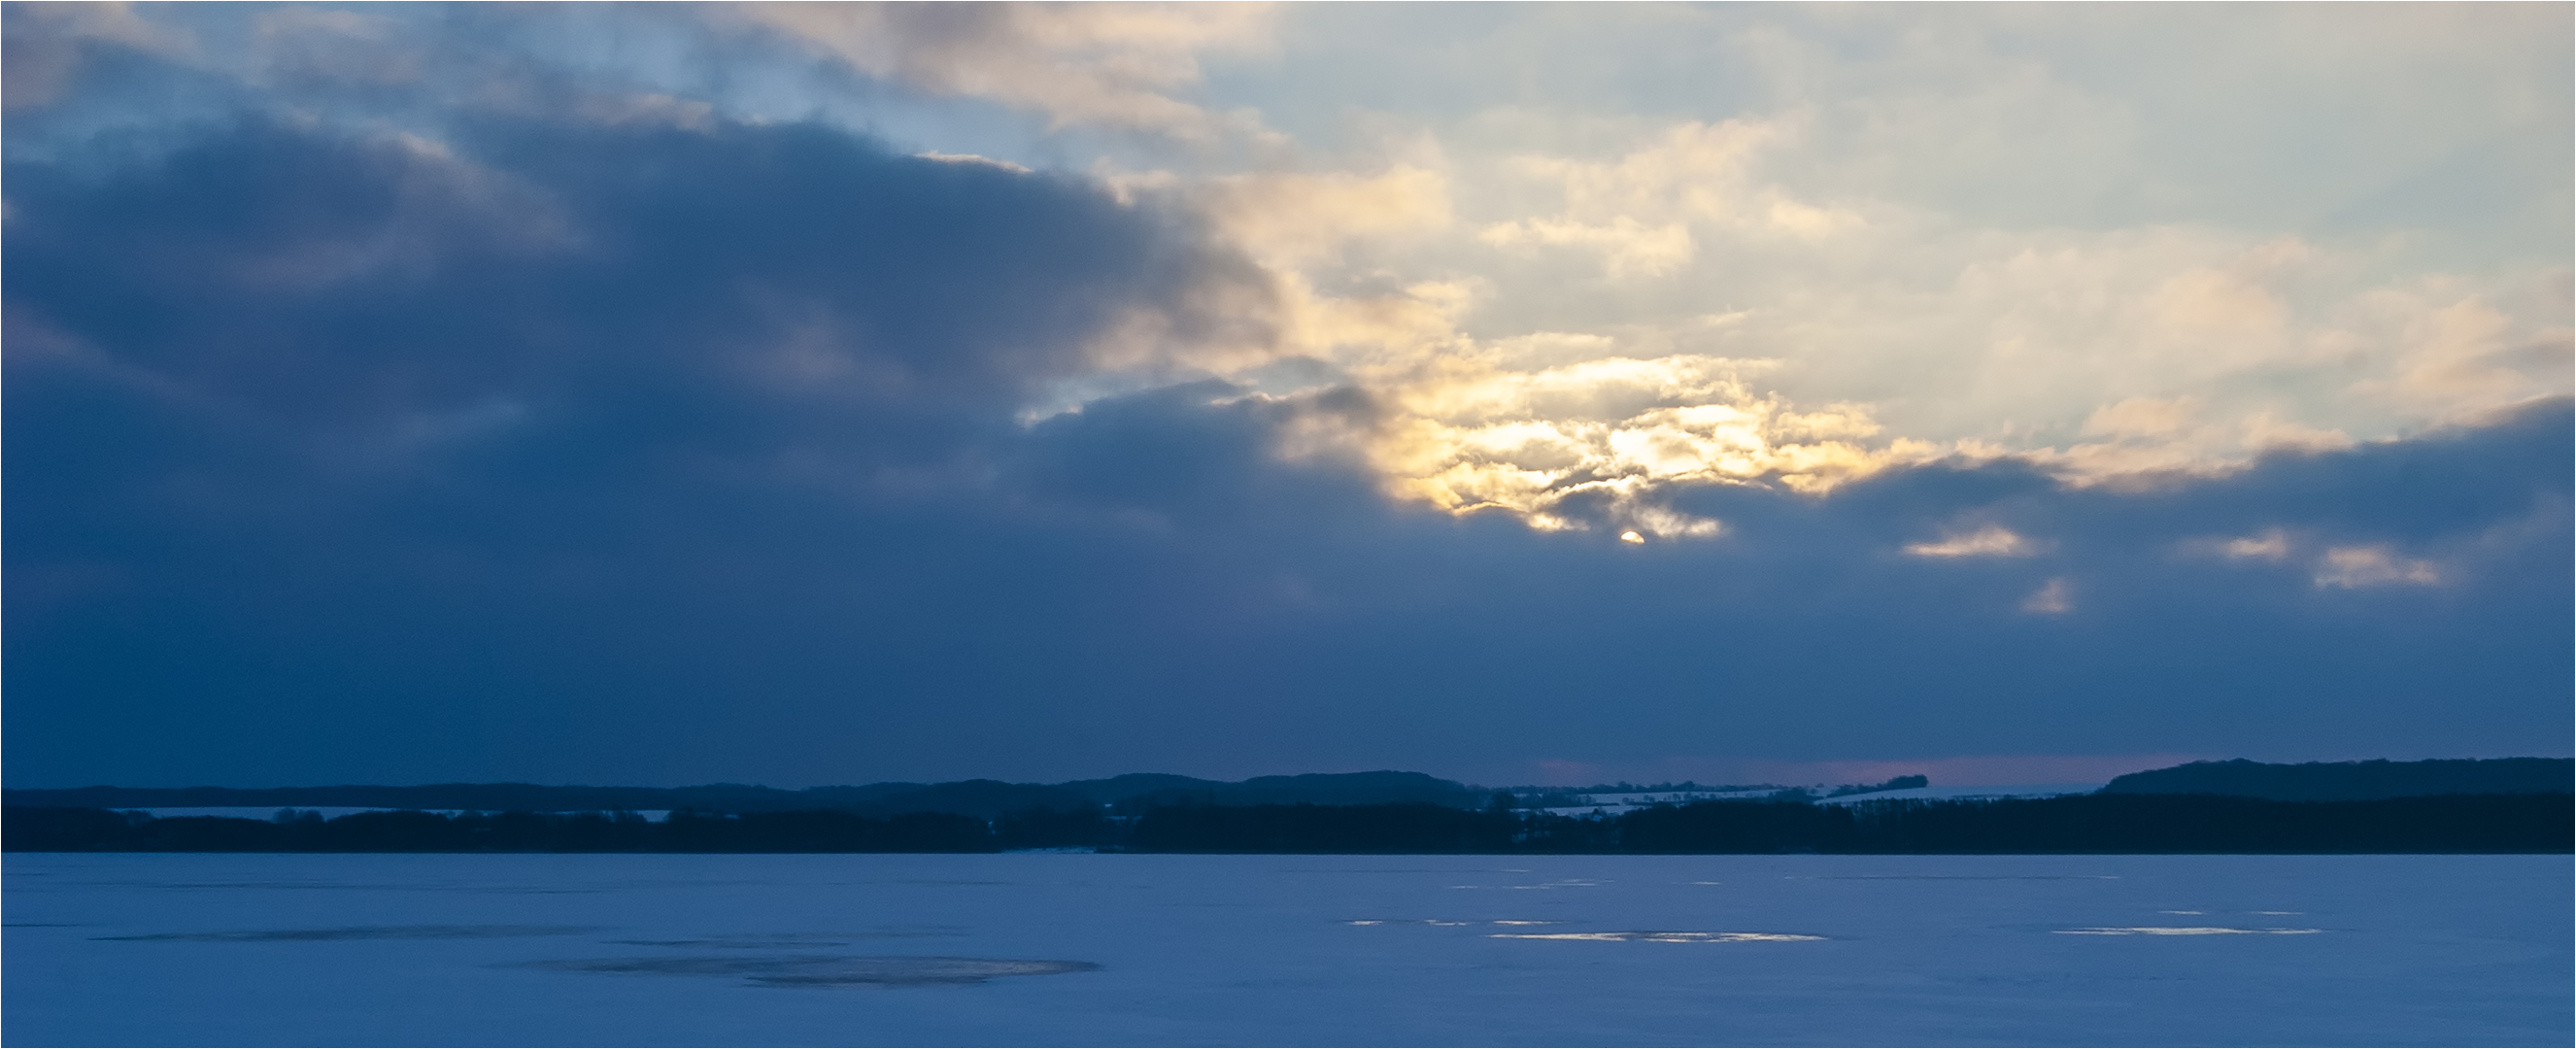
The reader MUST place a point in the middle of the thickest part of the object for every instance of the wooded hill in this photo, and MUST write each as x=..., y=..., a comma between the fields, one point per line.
x=2355, y=780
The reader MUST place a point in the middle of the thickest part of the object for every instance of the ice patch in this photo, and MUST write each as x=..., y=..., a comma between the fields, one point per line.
x=2184, y=930
x=1949, y=877
x=1661, y=937
x=825, y=970
x=1415, y=921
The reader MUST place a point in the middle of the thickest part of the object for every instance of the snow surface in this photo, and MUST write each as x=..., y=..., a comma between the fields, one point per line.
x=1037, y=948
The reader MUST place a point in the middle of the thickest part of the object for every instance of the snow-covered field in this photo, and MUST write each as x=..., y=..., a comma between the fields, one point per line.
x=1308, y=950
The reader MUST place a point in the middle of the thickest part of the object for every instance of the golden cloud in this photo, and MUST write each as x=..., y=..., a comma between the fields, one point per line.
x=1467, y=434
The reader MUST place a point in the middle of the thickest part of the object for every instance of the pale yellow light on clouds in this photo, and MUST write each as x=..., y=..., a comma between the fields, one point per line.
x=1989, y=541
x=2269, y=546
x=2152, y=325
x=1296, y=220
x=1637, y=211
x=1533, y=324
x=2464, y=355
x=1467, y=434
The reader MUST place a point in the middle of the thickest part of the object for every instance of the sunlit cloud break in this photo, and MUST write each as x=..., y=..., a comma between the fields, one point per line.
x=1535, y=326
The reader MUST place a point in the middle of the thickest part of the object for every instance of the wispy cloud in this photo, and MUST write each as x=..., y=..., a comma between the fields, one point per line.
x=1119, y=65
x=1989, y=541
x=2353, y=567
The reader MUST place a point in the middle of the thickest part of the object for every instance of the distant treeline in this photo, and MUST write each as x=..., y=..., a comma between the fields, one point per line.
x=985, y=798
x=1137, y=793
x=2098, y=823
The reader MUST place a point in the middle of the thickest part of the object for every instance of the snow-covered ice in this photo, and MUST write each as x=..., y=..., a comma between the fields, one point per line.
x=1309, y=950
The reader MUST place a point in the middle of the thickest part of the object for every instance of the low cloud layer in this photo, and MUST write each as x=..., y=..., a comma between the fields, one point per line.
x=577, y=432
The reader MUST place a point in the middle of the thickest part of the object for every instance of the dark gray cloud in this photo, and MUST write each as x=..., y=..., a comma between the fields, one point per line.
x=654, y=451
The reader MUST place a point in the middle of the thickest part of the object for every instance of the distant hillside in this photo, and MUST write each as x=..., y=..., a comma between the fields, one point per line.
x=2355, y=780
x=982, y=798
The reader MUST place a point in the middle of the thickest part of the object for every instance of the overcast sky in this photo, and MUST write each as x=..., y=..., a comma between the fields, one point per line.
x=831, y=394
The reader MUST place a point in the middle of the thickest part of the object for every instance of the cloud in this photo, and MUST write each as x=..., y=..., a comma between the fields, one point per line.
x=1638, y=211
x=2148, y=417
x=2467, y=356
x=1989, y=541
x=1117, y=65
x=765, y=299
x=1295, y=220
x=2269, y=546
x=1465, y=433
x=2055, y=598
x=334, y=47
x=47, y=44
x=573, y=418
x=1628, y=248
x=970, y=158
x=2352, y=567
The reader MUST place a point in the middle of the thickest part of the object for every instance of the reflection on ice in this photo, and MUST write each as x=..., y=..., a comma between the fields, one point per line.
x=826, y=970
x=1561, y=883
x=1662, y=937
x=2183, y=930
x=1425, y=921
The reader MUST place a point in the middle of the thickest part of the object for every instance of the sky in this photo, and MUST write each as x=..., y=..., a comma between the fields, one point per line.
x=1521, y=394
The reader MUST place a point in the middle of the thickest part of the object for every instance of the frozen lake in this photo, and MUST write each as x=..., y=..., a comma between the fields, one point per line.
x=119, y=949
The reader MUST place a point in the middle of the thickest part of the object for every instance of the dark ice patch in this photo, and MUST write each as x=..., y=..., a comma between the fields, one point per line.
x=740, y=942
x=826, y=970
x=296, y=886
x=366, y=932
x=794, y=941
